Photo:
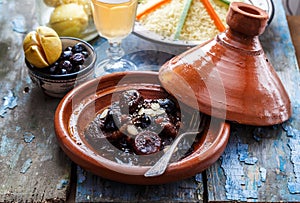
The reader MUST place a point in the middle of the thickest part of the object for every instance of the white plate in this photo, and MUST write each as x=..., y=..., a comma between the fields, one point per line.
x=142, y=32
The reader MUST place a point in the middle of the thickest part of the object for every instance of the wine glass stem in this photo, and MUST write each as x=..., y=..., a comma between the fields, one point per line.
x=115, y=52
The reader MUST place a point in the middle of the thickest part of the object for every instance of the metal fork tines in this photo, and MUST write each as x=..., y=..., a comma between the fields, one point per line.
x=161, y=165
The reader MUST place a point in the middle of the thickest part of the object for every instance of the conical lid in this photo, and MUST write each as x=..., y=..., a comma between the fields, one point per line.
x=230, y=76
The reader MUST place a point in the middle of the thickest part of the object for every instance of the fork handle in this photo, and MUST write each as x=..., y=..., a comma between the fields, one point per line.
x=160, y=166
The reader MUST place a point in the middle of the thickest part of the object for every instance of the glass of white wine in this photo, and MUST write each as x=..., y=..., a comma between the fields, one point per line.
x=114, y=20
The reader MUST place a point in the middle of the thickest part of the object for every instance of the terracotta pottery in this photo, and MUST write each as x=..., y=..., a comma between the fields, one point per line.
x=81, y=105
x=230, y=74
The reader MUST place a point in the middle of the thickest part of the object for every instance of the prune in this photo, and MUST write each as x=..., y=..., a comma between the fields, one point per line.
x=145, y=124
x=129, y=101
x=114, y=135
x=147, y=142
x=169, y=129
x=109, y=123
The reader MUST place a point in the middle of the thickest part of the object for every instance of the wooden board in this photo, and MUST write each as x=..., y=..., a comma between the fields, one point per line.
x=260, y=164
x=91, y=188
x=33, y=168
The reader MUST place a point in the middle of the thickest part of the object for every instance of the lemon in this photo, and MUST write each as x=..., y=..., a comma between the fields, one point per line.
x=42, y=47
x=69, y=20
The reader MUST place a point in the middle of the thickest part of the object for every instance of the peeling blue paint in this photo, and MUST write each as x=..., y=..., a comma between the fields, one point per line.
x=19, y=24
x=15, y=156
x=294, y=187
x=81, y=176
x=235, y=161
x=244, y=155
x=198, y=177
x=263, y=174
x=26, y=166
x=242, y=151
x=294, y=144
x=62, y=184
x=282, y=163
x=10, y=102
x=28, y=137
x=251, y=160
x=5, y=144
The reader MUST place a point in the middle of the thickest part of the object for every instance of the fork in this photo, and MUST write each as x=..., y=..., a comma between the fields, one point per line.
x=161, y=165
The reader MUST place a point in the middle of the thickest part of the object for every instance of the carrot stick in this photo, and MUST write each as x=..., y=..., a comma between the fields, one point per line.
x=151, y=8
x=213, y=15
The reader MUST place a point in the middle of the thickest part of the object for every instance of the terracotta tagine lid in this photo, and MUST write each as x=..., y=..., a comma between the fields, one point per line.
x=230, y=74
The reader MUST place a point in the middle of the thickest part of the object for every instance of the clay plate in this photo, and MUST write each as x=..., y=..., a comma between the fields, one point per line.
x=80, y=106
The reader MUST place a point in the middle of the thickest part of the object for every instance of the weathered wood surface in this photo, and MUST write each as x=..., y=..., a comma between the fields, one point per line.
x=261, y=164
x=91, y=188
x=33, y=168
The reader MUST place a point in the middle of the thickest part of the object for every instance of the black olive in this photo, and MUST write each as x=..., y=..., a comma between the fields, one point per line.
x=69, y=48
x=79, y=47
x=71, y=60
x=66, y=55
x=77, y=58
x=85, y=54
x=67, y=65
x=63, y=71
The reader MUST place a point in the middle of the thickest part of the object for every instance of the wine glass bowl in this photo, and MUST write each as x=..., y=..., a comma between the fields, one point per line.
x=114, y=20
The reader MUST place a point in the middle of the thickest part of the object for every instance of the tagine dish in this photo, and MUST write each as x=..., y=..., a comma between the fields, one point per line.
x=119, y=125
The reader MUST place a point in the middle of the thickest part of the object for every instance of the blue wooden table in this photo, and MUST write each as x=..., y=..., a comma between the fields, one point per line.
x=260, y=164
